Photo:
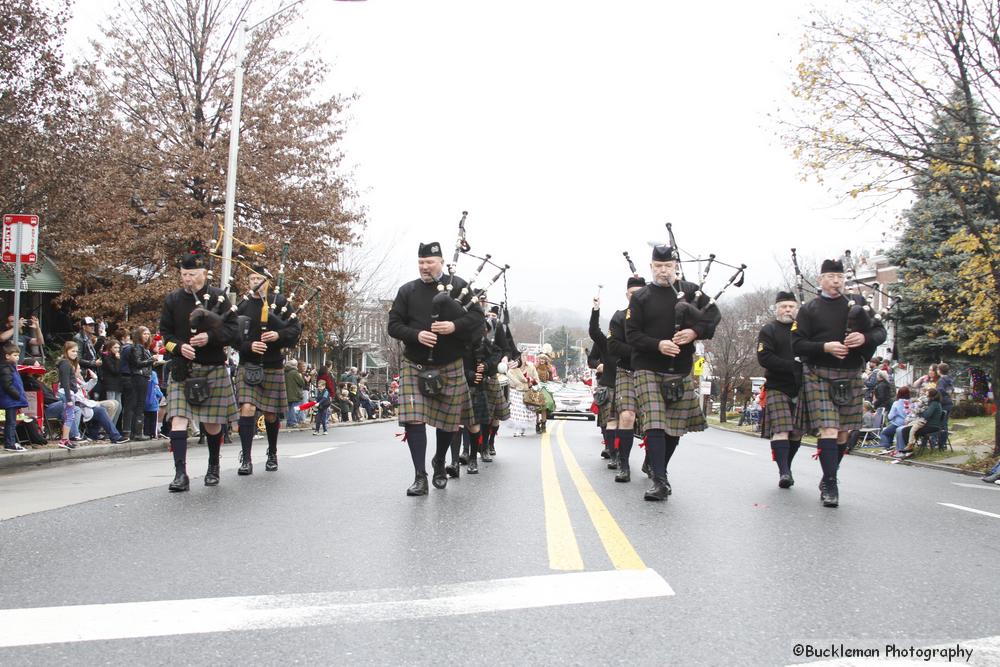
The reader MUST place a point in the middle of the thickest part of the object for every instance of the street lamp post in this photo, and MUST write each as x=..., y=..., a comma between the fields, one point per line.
x=242, y=32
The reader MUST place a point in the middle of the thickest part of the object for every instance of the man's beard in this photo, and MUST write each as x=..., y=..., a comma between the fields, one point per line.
x=785, y=319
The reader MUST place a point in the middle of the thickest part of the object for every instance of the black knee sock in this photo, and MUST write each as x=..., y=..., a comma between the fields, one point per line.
x=779, y=452
x=793, y=448
x=604, y=435
x=672, y=442
x=179, y=445
x=841, y=451
x=416, y=439
x=272, y=429
x=214, y=446
x=444, y=439
x=467, y=439
x=493, y=434
x=474, y=439
x=829, y=458
x=609, y=440
x=624, y=437
x=656, y=451
x=456, y=444
x=248, y=428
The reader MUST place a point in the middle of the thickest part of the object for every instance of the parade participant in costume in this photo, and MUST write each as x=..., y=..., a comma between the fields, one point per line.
x=545, y=372
x=783, y=374
x=834, y=337
x=520, y=379
x=197, y=324
x=661, y=326
x=625, y=400
x=260, y=380
x=433, y=389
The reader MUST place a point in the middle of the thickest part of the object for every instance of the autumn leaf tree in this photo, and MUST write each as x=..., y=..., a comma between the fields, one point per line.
x=872, y=87
x=161, y=83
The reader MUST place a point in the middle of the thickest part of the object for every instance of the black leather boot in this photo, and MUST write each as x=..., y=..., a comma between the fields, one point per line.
x=272, y=461
x=452, y=469
x=181, y=481
x=419, y=486
x=440, y=478
x=212, y=476
x=785, y=481
x=613, y=460
x=624, y=473
x=659, y=490
x=830, y=495
x=246, y=466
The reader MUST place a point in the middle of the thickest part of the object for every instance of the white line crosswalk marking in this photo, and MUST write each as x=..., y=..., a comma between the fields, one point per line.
x=48, y=625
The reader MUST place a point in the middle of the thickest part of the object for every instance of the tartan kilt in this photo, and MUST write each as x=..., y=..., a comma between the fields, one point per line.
x=625, y=399
x=779, y=414
x=816, y=408
x=220, y=408
x=449, y=411
x=499, y=405
x=678, y=418
x=608, y=411
x=268, y=396
x=481, y=411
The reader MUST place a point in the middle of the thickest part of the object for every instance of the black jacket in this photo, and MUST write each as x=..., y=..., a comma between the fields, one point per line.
x=774, y=354
x=824, y=320
x=110, y=373
x=608, y=358
x=140, y=360
x=650, y=319
x=883, y=395
x=176, y=328
x=288, y=331
x=411, y=313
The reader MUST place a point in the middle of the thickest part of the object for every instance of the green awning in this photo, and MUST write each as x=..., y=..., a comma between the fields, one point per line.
x=47, y=279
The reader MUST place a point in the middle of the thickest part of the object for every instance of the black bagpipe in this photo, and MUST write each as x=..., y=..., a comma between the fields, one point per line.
x=208, y=316
x=862, y=315
x=687, y=313
x=452, y=302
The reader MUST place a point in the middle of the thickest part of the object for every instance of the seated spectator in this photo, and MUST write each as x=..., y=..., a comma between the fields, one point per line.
x=945, y=386
x=929, y=422
x=12, y=396
x=898, y=413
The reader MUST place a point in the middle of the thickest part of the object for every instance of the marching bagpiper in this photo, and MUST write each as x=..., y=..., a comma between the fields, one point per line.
x=783, y=381
x=197, y=323
x=260, y=380
x=661, y=326
x=834, y=336
x=433, y=389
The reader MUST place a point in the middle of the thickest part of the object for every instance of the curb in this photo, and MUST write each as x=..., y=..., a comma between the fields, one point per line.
x=41, y=457
x=876, y=457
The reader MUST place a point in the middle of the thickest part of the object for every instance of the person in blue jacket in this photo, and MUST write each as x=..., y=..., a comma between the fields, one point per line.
x=12, y=396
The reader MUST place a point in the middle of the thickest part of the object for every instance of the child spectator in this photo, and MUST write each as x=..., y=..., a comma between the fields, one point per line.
x=12, y=396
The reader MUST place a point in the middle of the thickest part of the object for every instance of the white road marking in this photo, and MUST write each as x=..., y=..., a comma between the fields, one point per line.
x=49, y=625
x=988, y=487
x=970, y=509
x=318, y=451
x=741, y=451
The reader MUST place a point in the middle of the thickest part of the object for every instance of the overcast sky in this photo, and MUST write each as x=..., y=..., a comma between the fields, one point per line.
x=571, y=131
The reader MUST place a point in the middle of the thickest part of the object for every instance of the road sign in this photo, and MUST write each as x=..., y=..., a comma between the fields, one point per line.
x=20, y=232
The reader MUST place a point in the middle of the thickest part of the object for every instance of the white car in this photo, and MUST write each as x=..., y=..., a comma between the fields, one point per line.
x=573, y=399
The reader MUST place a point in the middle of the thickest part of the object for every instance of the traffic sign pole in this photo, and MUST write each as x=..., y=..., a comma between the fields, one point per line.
x=17, y=287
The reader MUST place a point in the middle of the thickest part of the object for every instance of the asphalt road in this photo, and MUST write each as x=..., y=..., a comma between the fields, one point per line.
x=540, y=559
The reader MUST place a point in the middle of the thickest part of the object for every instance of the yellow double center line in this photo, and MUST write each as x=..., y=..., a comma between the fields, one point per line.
x=564, y=553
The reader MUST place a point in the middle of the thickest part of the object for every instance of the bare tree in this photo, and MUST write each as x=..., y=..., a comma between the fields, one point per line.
x=871, y=89
x=161, y=84
x=732, y=352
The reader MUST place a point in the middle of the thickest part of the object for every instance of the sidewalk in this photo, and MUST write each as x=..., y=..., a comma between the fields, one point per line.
x=52, y=453
x=949, y=464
